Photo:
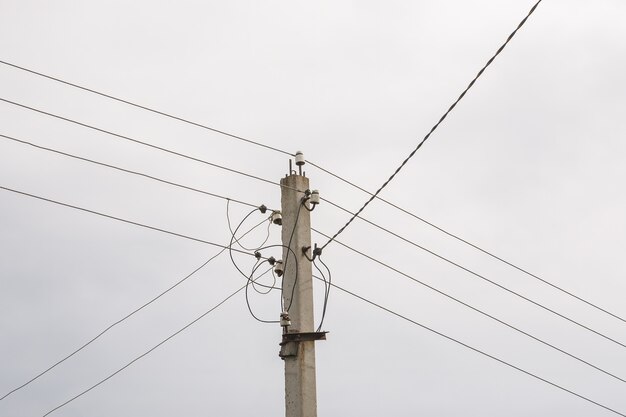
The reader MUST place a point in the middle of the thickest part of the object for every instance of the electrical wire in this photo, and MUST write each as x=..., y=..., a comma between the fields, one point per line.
x=483, y=313
x=295, y=281
x=465, y=345
x=326, y=200
x=136, y=141
x=108, y=216
x=494, y=283
x=435, y=126
x=327, y=286
x=230, y=248
x=204, y=126
x=465, y=269
x=433, y=253
x=251, y=281
x=119, y=321
x=145, y=353
x=462, y=240
x=238, y=240
x=152, y=110
x=127, y=171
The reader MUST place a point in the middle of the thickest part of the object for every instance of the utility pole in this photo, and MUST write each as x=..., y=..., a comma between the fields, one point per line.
x=298, y=340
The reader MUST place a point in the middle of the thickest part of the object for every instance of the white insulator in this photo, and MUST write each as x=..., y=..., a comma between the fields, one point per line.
x=315, y=197
x=284, y=319
x=278, y=268
x=277, y=218
x=299, y=158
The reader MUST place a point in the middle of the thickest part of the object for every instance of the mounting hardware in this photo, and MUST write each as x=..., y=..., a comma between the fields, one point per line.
x=257, y=255
x=277, y=217
x=262, y=208
x=279, y=269
x=316, y=252
x=271, y=260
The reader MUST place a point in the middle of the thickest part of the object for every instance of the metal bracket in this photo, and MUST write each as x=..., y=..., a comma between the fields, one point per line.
x=291, y=341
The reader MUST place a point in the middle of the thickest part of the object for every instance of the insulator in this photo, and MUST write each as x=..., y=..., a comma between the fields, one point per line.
x=277, y=218
x=299, y=158
x=278, y=268
x=315, y=197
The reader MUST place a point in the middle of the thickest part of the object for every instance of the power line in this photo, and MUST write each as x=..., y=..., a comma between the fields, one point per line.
x=510, y=326
x=137, y=141
x=455, y=236
x=435, y=126
x=127, y=171
x=477, y=275
x=108, y=216
x=119, y=321
x=340, y=208
x=465, y=241
x=145, y=353
x=510, y=365
x=152, y=110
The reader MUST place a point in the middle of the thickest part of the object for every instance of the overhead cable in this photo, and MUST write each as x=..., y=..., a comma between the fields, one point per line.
x=365, y=220
x=463, y=303
x=152, y=110
x=465, y=241
x=488, y=355
x=137, y=141
x=145, y=353
x=119, y=321
x=49, y=200
x=484, y=278
x=204, y=126
x=127, y=171
x=435, y=126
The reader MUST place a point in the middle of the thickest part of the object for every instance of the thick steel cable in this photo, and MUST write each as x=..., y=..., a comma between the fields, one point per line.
x=465, y=345
x=479, y=311
x=435, y=126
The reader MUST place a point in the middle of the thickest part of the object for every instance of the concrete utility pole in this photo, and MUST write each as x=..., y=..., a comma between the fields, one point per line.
x=298, y=342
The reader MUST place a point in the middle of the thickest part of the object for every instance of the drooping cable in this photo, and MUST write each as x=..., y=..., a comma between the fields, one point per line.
x=435, y=126
x=238, y=240
x=481, y=312
x=465, y=345
x=293, y=231
x=251, y=281
x=327, y=286
x=145, y=353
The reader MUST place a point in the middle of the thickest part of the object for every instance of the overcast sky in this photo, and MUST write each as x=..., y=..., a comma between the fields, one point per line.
x=529, y=166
